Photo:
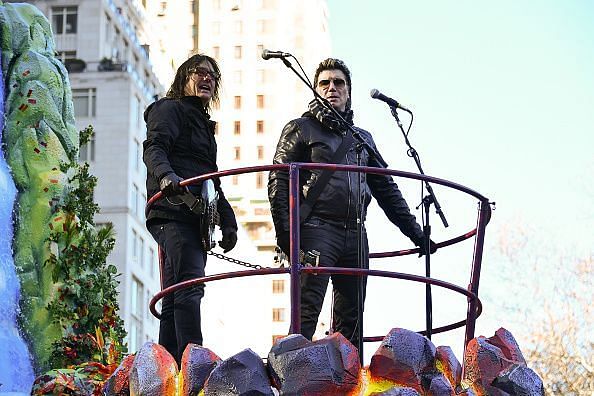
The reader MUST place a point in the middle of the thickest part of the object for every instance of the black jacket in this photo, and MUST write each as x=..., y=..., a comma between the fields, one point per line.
x=180, y=139
x=308, y=140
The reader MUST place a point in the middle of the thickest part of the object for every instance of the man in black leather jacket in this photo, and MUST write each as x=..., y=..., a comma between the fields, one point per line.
x=331, y=228
x=181, y=144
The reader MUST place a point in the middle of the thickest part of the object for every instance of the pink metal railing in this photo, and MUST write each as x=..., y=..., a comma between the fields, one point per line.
x=474, y=308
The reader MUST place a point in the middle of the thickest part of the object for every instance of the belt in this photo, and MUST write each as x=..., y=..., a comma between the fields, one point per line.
x=342, y=223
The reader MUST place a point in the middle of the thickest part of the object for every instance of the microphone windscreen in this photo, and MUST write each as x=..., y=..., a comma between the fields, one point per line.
x=374, y=93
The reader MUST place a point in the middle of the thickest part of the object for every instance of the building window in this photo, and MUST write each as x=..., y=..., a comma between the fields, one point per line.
x=277, y=337
x=142, y=206
x=152, y=262
x=136, y=313
x=134, y=200
x=278, y=314
x=216, y=128
x=216, y=52
x=259, y=126
x=238, y=27
x=262, y=26
x=64, y=19
x=235, y=180
x=278, y=286
x=237, y=102
x=237, y=52
x=237, y=76
x=260, y=76
x=259, y=49
x=134, y=245
x=137, y=155
x=260, y=152
x=260, y=101
x=237, y=151
x=216, y=27
x=141, y=251
x=136, y=302
x=84, y=101
x=259, y=180
x=87, y=151
x=133, y=337
x=237, y=127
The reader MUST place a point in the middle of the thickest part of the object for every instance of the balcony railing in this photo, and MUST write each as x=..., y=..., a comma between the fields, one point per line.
x=474, y=306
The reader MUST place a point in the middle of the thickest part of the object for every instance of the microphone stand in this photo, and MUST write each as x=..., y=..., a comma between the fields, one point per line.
x=429, y=199
x=372, y=153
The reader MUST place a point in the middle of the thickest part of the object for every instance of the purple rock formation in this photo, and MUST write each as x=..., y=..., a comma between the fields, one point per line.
x=447, y=363
x=505, y=341
x=196, y=365
x=241, y=374
x=519, y=380
x=437, y=384
x=118, y=384
x=153, y=371
x=403, y=357
x=329, y=366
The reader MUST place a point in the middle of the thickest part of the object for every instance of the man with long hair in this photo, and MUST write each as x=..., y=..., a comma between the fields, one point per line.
x=181, y=144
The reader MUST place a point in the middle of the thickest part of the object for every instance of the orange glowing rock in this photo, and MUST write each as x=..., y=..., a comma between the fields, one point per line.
x=403, y=357
x=329, y=366
x=119, y=382
x=196, y=365
x=153, y=372
x=447, y=364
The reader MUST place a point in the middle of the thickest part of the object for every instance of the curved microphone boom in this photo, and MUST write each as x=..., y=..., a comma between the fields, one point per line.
x=267, y=54
x=375, y=94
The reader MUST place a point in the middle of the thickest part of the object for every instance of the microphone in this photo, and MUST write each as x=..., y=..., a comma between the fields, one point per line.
x=267, y=54
x=375, y=94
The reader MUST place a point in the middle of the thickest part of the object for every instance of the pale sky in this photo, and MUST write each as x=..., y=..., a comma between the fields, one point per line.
x=503, y=96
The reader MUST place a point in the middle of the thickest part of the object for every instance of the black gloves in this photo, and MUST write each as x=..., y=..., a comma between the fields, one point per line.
x=169, y=185
x=283, y=241
x=423, y=247
x=229, y=239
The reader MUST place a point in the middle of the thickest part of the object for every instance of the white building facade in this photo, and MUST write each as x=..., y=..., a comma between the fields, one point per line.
x=131, y=49
x=110, y=92
x=258, y=98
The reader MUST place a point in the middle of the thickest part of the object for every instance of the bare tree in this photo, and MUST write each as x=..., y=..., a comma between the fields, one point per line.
x=548, y=293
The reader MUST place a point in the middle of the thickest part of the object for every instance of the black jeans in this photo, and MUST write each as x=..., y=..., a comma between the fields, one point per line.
x=184, y=259
x=337, y=245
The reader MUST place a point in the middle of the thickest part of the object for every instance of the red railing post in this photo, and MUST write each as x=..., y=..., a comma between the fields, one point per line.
x=294, y=247
x=479, y=241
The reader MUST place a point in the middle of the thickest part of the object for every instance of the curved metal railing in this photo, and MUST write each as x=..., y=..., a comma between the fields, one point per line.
x=474, y=307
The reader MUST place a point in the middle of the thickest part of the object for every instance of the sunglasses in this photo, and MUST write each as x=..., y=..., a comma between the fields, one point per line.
x=202, y=72
x=338, y=83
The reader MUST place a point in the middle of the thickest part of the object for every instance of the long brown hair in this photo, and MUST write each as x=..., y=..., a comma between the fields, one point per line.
x=177, y=89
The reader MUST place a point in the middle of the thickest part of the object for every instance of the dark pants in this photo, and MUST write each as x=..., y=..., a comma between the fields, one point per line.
x=184, y=259
x=338, y=248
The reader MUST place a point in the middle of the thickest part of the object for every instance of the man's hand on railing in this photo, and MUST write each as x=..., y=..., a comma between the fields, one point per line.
x=423, y=247
x=169, y=185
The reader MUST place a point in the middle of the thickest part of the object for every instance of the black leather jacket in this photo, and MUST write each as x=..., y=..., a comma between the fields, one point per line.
x=308, y=140
x=180, y=138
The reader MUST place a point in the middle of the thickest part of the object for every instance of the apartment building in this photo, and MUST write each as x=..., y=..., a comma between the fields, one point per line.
x=105, y=45
x=258, y=97
x=121, y=55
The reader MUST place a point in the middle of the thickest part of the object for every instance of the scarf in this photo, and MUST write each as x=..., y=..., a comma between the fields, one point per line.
x=328, y=118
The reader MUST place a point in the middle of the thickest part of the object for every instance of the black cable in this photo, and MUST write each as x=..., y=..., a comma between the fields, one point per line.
x=303, y=71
